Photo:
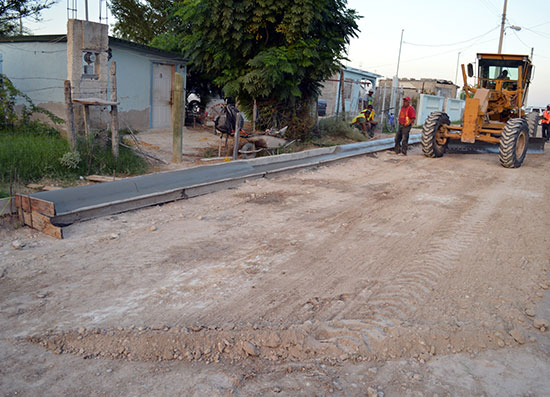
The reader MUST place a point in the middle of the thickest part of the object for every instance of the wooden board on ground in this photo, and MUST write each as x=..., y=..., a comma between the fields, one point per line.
x=30, y=204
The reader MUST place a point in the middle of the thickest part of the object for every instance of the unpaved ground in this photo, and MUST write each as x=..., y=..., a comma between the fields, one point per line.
x=399, y=275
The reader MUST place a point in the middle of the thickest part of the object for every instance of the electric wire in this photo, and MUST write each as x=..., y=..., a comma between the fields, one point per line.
x=451, y=44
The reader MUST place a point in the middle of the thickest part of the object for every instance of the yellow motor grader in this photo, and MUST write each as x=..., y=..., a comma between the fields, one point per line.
x=493, y=113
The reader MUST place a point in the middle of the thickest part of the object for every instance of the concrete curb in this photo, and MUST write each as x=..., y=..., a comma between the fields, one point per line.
x=88, y=202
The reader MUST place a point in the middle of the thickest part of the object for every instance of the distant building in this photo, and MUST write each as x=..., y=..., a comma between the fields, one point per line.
x=357, y=84
x=414, y=87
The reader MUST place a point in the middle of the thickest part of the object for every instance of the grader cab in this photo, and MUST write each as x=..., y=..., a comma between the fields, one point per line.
x=493, y=113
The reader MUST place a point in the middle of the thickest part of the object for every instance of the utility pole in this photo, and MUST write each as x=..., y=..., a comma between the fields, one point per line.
x=395, y=82
x=456, y=74
x=502, y=27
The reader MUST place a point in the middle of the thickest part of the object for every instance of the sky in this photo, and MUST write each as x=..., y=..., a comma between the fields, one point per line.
x=437, y=34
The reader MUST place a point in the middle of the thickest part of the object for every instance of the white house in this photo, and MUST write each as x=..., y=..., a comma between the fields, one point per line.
x=38, y=66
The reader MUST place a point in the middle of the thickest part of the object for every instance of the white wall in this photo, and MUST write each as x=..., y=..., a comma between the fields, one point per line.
x=37, y=69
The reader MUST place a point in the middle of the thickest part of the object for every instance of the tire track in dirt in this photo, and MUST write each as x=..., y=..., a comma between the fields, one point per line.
x=393, y=302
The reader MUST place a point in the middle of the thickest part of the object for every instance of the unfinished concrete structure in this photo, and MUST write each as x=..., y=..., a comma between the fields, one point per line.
x=87, y=66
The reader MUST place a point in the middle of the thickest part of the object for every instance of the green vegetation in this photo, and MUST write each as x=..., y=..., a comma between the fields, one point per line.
x=36, y=150
x=276, y=52
x=335, y=127
x=37, y=156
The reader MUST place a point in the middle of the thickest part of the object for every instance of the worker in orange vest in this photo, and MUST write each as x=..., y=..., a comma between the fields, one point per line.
x=546, y=123
x=407, y=115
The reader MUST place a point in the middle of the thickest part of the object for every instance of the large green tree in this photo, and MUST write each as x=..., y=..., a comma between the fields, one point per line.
x=275, y=51
x=142, y=20
x=13, y=12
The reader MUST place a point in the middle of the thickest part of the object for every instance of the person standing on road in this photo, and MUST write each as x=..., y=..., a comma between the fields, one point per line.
x=546, y=123
x=407, y=115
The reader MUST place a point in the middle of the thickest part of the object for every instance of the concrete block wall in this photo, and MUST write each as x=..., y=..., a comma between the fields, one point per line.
x=426, y=105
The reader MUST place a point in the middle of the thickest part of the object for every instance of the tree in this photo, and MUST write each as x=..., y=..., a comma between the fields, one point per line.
x=141, y=21
x=12, y=12
x=275, y=51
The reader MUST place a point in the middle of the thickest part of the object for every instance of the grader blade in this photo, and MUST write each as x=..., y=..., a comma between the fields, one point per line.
x=536, y=145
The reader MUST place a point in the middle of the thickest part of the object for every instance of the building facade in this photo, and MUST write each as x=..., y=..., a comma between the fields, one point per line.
x=39, y=65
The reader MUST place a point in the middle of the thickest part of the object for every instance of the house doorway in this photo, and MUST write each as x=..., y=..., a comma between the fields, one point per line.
x=162, y=95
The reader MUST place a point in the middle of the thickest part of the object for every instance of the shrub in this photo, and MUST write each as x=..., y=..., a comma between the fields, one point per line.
x=337, y=127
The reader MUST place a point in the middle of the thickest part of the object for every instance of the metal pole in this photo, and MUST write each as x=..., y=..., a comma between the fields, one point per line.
x=383, y=112
x=86, y=5
x=399, y=57
x=457, y=63
x=502, y=27
x=395, y=82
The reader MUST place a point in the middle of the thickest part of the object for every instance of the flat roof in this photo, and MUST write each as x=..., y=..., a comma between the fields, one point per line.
x=61, y=38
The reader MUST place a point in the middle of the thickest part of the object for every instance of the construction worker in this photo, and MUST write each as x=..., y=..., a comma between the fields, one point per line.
x=546, y=123
x=371, y=124
x=407, y=115
x=360, y=121
x=370, y=98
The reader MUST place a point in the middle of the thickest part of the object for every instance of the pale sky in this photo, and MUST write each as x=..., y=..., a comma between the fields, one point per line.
x=435, y=31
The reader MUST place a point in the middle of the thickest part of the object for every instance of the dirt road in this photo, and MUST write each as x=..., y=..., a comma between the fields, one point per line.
x=380, y=275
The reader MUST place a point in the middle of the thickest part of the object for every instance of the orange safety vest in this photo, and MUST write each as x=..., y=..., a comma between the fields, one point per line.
x=546, y=117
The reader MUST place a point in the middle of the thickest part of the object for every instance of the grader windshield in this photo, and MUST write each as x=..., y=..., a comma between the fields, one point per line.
x=504, y=72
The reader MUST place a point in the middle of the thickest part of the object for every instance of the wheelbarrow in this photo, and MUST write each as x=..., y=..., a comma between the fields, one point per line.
x=270, y=142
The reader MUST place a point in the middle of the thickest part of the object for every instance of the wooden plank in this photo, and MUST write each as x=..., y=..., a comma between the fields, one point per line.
x=177, y=119
x=41, y=223
x=95, y=102
x=28, y=203
x=101, y=178
x=71, y=132
x=114, y=112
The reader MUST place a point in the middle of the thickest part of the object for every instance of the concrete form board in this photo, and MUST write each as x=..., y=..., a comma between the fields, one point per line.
x=87, y=202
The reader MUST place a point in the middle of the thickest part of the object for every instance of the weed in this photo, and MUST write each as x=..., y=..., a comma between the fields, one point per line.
x=48, y=156
x=337, y=127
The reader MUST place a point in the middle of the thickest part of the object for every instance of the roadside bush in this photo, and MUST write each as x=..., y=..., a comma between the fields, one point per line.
x=337, y=127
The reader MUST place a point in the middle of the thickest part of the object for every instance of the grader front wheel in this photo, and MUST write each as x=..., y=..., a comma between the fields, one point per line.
x=513, y=143
x=432, y=145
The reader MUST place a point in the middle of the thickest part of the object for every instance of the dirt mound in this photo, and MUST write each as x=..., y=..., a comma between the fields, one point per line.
x=327, y=342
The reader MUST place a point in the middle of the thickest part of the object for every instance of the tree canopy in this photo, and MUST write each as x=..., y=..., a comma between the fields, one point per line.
x=141, y=21
x=275, y=51
x=13, y=11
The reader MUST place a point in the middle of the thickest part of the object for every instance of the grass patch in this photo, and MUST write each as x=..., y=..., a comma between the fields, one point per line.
x=38, y=156
x=3, y=194
x=337, y=127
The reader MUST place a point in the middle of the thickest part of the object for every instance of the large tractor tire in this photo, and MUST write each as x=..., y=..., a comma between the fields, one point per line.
x=513, y=143
x=430, y=146
x=533, y=123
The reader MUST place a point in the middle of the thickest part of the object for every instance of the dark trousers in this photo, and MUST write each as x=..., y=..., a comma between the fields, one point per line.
x=402, y=139
x=545, y=130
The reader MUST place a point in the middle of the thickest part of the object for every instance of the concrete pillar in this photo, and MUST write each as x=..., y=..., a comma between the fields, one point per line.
x=87, y=66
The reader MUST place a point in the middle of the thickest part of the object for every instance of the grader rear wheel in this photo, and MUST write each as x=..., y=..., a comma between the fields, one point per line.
x=533, y=123
x=432, y=145
x=513, y=143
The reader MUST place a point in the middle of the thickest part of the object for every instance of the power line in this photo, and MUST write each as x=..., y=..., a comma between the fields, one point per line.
x=451, y=44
